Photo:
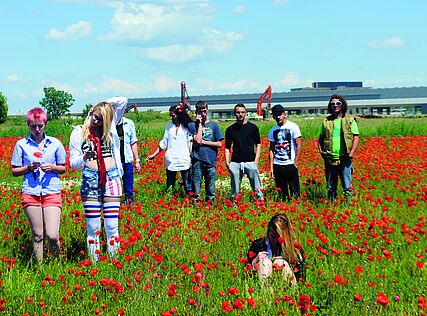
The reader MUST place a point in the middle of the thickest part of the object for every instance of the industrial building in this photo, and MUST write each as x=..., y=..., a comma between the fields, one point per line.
x=309, y=100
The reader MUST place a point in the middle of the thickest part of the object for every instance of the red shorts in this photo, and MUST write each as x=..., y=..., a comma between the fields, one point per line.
x=42, y=200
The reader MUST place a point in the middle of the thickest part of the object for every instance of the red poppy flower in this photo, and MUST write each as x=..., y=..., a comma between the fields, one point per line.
x=38, y=154
x=382, y=299
x=339, y=279
x=226, y=307
x=158, y=258
x=422, y=302
x=233, y=291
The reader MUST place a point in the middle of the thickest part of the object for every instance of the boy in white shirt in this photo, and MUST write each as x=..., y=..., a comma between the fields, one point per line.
x=285, y=150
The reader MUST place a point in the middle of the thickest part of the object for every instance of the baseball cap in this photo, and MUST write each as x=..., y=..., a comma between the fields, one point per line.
x=277, y=109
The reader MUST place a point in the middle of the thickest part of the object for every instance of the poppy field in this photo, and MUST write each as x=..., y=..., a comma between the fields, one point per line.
x=368, y=257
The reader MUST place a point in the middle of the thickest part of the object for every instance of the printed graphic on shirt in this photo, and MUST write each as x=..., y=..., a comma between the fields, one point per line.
x=282, y=144
x=207, y=134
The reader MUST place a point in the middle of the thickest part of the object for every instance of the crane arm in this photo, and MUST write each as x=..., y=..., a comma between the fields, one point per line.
x=267, y=93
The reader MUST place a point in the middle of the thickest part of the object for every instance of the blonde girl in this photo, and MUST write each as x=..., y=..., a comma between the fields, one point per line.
x=95, y=148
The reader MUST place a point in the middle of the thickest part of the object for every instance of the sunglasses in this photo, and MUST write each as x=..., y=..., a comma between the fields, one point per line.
x=339, y=103
x=97, y=118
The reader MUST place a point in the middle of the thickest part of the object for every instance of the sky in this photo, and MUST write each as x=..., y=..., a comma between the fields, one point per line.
x=95, y=49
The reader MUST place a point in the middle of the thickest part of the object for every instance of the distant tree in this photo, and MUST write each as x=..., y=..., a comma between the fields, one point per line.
x=86, y=110
x=56, y=102
x=3, y=108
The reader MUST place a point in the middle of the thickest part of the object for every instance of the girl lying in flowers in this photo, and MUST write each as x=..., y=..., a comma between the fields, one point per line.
x=279, y=250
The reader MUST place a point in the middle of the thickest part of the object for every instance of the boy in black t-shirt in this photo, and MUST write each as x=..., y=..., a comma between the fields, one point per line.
x=243, y=136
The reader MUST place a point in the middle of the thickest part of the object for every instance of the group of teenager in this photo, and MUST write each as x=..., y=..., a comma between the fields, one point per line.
x=192, y=149
x=104, y=147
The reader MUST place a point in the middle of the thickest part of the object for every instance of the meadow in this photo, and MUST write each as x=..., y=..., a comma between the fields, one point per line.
x=366, y=258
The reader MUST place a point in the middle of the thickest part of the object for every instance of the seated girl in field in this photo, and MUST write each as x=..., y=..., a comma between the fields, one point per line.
x=278, y=251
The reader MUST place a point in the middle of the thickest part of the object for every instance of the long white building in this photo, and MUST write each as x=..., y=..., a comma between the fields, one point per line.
x=313, y=100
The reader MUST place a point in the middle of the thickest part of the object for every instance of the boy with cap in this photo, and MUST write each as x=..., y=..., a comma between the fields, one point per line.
x=285, y=151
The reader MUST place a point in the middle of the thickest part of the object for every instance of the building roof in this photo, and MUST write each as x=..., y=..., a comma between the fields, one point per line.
x=310, y=95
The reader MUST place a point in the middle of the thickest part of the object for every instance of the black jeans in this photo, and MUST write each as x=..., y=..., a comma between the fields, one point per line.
x=171, y=179
x=287, y=180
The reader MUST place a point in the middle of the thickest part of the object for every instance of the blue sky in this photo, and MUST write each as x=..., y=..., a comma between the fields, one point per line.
x=95, y=49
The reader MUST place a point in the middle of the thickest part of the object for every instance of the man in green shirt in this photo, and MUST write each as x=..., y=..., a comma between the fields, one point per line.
x=338, y=141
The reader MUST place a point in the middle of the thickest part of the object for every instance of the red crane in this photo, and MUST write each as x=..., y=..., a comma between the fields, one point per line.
x=267, y=93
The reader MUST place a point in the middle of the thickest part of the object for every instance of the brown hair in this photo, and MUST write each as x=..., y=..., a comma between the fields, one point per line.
x=343, y=106
x=279, y=226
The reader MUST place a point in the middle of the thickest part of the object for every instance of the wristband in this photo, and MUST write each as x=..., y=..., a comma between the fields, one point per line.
x=138, y=160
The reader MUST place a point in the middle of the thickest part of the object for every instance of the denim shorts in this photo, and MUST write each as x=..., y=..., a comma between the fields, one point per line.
x=91, y=188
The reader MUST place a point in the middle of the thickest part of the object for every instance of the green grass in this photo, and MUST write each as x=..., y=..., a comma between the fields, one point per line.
x=152, y=124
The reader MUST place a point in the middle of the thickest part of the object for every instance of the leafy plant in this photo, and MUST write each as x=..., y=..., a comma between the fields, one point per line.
x=3, y=108
x=56, y=102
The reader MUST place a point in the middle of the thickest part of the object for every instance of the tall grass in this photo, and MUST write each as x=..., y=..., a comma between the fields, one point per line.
x=151, y=124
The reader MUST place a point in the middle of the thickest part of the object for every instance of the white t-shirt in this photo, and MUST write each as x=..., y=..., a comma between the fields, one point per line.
x=283, y=138
x=177, y=144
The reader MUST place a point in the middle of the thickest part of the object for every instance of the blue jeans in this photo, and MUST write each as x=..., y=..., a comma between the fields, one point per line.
x=200, y=170
x=171, y=179
x=237, y=169
x=344, y=170
x=128, y=182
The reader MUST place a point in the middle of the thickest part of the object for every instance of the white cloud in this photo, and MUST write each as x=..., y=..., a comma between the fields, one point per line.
x=102, y=86
x=390, y=42
x=239, y=9
x=12, y=78
x=173, y=53
x=137, y=23
x=72, y=32
x=164, y=84
x=291, y=80
x=63, y=86
x=174, y=31
x=220, y=41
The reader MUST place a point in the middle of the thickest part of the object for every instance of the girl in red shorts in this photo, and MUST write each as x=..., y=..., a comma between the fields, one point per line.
x=40, y=159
